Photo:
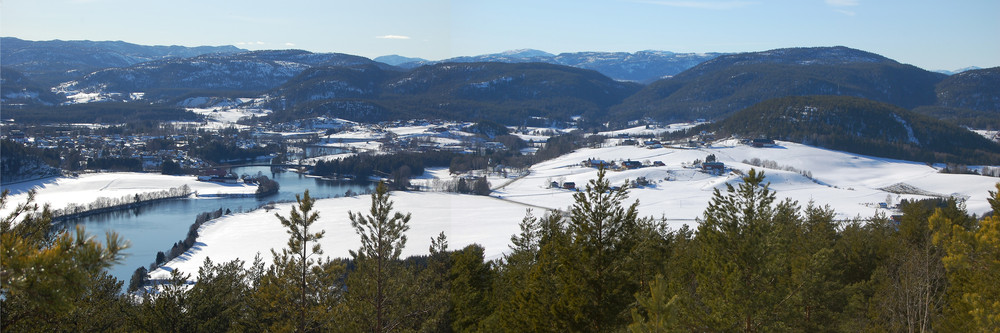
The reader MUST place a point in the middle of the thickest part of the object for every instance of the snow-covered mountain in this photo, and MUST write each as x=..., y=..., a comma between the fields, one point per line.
x=56, y=61
x=254, y=72
x=396, y=60
x=957, y=71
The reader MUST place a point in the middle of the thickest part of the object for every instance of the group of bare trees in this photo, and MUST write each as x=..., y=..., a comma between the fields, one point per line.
x=102, y=204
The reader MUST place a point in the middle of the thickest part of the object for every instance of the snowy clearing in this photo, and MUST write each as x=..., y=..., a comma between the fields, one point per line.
x=464, y=219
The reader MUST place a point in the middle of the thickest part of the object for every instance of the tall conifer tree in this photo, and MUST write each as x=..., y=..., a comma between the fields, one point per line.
x=377, y=284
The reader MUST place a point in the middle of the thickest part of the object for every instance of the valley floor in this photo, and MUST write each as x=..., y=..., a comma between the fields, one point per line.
x=853, y=185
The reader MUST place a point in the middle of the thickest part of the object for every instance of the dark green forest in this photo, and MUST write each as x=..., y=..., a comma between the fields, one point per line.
x=751, y=264
x=102, y=113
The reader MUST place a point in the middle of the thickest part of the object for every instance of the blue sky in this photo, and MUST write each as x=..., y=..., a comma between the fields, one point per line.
x=932, y=34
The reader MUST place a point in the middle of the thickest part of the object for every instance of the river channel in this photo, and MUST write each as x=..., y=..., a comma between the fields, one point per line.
x=157, y=226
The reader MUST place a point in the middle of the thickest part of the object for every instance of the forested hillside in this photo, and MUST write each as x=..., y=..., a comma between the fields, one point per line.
x=505, y=93
x=107, y=113
x=17, y=90
x=254, y=71
x=718, y=87
x=860, y=126
x=970, y=98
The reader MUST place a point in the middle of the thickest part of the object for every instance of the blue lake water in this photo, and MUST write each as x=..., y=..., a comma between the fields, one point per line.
x=156, y=227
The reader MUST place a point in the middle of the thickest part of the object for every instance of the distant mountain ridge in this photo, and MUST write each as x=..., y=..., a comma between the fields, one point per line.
x=253, y=71
x=396, y=60
x=718, y=87
x=957, y=71
x=514, y=87
x=641, y=66
x=56, y=61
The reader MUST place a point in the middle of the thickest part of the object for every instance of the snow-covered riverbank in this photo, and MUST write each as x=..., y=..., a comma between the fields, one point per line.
x=61, y=192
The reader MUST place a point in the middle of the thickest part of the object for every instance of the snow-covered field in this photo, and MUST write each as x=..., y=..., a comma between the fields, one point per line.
x=650, y=131
x=228, y=115
x=60, y=192
x=464, y=219
x=851, y=184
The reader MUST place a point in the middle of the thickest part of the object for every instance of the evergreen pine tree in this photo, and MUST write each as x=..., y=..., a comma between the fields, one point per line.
x=300, y=219
x=603, y=233
x=971, y=260
x=470, y=284
x=740, y=271
x=295, y=278
x=43, y=272
x=376, y=287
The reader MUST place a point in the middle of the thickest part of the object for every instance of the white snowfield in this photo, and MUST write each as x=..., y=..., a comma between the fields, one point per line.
x=465, y=219
x=850, y=184
x=60, y=192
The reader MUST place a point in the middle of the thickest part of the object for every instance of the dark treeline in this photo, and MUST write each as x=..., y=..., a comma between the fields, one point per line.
x=752, y=264
x=20, y=161
x=108, y=113
x=399, y=167
x=365, y=165
x=221, y=149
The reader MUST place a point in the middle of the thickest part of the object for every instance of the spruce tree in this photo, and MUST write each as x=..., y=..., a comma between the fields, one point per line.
x=376, y=288
x=603, y=234
x=470, y=280
x=741, y=271
x=217, y=301
x=297, y=278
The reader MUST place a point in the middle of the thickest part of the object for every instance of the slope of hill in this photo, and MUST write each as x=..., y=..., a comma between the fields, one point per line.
x=642, y=66
x=254, y=71
x=860, y=126
x=503, y=92
x=970, y=98
x=55, y=61
x=721, y=86
x=16, y=91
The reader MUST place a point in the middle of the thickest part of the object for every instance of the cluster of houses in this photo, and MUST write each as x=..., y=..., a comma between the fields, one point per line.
x=219, y=176
x=758, y=143
x=624, y=165
x=713, y=167
x=92, y=146
x=648, y=143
